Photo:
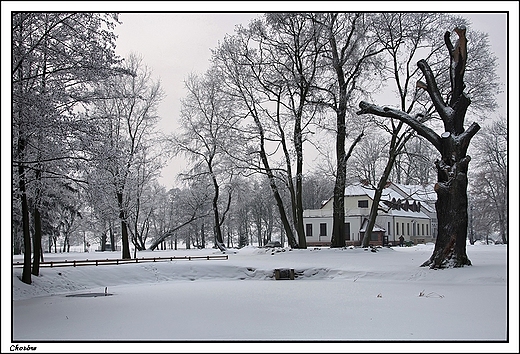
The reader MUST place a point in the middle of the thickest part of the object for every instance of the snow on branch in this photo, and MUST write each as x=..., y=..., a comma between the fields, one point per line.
x=415, y=124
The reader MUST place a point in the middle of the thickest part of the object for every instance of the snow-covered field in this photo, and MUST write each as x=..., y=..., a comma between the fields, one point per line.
x=339, y=295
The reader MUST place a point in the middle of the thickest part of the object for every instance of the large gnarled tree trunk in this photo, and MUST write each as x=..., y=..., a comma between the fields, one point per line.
x=452, y=168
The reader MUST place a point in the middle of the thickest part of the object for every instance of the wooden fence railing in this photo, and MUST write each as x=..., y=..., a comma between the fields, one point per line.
x=77, y=263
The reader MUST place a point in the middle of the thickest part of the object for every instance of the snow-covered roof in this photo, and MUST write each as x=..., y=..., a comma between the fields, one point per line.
x=408, y=213
x=359, y=189
x=376, y=228
x=396, y=192
x=421, y=193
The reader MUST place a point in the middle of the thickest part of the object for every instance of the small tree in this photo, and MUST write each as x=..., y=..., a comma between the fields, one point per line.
x=126, y=119
x=452, y=168
x=490, y=178
x=207, y=116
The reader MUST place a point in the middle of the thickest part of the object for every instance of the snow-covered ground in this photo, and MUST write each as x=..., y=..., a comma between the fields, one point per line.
x=339, y=295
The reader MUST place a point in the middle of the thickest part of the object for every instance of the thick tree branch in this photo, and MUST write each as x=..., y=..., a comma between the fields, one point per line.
x=351, y=149
x=460, y=106
x=444, y=110
x=416, y=125
x=466, y=136
x=458, y=54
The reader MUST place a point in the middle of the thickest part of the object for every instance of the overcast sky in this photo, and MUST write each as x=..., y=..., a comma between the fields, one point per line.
x=176, y=44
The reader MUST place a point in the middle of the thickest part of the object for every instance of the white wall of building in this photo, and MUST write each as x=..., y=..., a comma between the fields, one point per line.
x=412, y=225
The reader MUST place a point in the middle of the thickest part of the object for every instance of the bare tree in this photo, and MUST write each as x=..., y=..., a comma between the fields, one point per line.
x=415, y=165
x=404, y=36
x=451, y=188
x=143, y=187
x=126, y=119
x=185, y=206
x=278, y=59
x=367, y=160
x=207, y=118
x=243, y=71
x=291, y=45
x=490, y=178
x=349, y=50
x=317, y=188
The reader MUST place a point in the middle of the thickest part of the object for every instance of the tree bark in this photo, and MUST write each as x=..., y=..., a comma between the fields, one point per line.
x=26, y=273
x=338, y=213
x=338, y=204
x=202, y=236
x=112, y=238
x=219, y=240
x=37, y=238
x=452, y=216
x=125, y=246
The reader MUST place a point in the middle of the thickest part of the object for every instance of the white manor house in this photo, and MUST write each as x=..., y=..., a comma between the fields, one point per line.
x=404, y=210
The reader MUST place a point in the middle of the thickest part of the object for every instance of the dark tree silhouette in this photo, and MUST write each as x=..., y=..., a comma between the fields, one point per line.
x=452, y=168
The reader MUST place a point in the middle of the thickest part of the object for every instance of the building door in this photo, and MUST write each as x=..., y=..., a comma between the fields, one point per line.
x=347, y=231
x=323, y=231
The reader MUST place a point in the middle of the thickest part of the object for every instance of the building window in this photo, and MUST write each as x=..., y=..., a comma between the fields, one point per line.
x=427, y=229
x=308, y=230
x=388, y=231
x=323, y=229
x=408, y=228
x=347, y=231
x=402, y=228
x=362, y=203
x=422, y=229
x=374, y=237
x=397, y=228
